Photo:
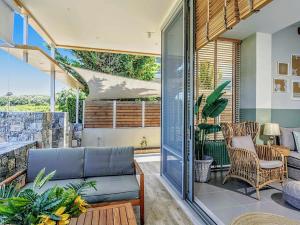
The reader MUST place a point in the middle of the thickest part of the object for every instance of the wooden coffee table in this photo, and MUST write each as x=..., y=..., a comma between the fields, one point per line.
x=285, y=152
x=121, y=214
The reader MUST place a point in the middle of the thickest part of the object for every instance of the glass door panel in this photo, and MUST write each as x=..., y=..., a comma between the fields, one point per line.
x=173, y=101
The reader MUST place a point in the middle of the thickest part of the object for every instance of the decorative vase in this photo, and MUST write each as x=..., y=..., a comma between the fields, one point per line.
x=202, y=169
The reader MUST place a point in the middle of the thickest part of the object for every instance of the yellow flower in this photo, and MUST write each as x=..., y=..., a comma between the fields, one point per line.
x=64, y=217
x=81, y=204
x=46, y=221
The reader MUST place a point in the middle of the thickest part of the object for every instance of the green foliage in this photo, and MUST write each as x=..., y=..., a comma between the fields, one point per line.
x=213, y=107
x=36, y=100
x=29, y=207
x=133, y=66
x=66, y=101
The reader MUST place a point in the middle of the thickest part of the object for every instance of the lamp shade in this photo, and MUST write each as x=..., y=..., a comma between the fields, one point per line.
x=271, y=129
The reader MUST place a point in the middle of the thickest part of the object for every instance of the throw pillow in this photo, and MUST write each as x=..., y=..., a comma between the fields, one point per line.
x=244, y=142
x=297, y=140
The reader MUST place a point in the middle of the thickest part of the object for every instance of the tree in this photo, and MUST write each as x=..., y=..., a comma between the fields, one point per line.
x=133, y=66
x=66, y=101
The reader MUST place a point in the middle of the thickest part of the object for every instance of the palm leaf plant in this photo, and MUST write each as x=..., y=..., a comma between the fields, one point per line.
x=215, y=104
x=30, y=206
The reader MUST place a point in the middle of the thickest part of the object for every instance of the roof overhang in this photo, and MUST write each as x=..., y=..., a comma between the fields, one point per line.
x=42, y=61
x=119, y=26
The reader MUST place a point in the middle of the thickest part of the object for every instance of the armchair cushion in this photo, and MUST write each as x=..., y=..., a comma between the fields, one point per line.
x=264, y=164
x=244, y=142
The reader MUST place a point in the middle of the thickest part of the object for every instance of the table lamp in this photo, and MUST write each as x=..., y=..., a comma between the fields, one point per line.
x=271, y=130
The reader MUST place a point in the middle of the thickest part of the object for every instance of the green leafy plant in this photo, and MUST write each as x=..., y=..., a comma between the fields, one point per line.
x=214, y=106
x=30, y=206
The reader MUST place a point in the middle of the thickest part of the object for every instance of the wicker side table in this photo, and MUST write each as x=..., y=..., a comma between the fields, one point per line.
x=285, y=152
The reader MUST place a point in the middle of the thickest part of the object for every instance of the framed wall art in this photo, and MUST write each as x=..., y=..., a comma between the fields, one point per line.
x=280, y=85
x=282, y=68
x=296, y=65
x=296, y=89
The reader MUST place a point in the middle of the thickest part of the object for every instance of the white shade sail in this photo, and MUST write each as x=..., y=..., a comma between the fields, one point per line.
x=105, y=86
x=6, y=22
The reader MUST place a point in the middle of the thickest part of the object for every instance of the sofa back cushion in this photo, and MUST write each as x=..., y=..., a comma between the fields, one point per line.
x=108, y=161
x=67, y=162
x=244, y=142
x=286, y=137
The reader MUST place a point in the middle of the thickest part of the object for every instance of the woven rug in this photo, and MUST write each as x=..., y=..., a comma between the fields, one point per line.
x=263, y=219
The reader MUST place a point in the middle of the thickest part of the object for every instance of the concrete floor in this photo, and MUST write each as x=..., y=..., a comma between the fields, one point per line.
x=160, y=207
x=236, y=197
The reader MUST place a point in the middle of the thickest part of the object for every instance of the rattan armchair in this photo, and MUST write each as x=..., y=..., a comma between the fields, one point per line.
x=245, y=165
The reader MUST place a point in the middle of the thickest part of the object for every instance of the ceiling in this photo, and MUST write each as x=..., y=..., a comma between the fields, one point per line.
x=118, y=25
x=273, y=17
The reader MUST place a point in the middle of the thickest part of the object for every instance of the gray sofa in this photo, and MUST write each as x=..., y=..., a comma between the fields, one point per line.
x=113, y=169
x=287, y=139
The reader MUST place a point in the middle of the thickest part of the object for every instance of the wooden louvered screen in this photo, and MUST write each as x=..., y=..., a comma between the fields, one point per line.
x=120, y=114
x=98, y=115
x=129, y=114
x=258, y=4
x=201, y=23
x=217, y=24
x=152, y=114
x=232, y=13
x=217, y=62
x=214, y=17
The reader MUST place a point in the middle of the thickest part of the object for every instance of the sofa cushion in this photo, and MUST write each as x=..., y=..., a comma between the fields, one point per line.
x=244, y=142
x=270, y=164
x=67, y=162
x=108, y=161
x=286, y=137
x=294, y=159
x=113, y=188
x=53, y=183
x=296, y=135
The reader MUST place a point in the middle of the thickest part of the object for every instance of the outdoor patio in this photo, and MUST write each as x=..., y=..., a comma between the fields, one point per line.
x=161, y=94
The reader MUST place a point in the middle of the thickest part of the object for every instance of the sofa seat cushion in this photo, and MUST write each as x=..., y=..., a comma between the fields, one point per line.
x=52, y=183
x=270, y=164
x=294, y=159
x=113, y=188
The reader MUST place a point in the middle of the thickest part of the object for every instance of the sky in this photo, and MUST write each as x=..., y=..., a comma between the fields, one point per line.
x=19, y=77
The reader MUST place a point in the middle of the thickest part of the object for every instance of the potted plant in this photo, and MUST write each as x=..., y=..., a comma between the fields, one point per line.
x=55, y=206
x=214, y=106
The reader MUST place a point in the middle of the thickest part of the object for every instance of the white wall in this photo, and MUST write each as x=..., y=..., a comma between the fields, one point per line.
x=285, y=43
x=120, y=136
x=263, y=70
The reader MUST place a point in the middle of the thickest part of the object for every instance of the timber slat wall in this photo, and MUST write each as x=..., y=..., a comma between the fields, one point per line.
x=100, y=114
x=214, y=17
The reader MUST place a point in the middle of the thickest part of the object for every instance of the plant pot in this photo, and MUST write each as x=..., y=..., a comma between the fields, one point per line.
x=202, y=169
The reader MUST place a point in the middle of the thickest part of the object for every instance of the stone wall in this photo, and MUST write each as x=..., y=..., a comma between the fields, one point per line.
x=13, y=158
x=48, y=129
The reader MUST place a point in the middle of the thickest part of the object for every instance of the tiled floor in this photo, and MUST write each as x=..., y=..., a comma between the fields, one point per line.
x=236, y=197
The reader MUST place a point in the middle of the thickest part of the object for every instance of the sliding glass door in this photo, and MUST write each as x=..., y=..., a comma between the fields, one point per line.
x=173, y=101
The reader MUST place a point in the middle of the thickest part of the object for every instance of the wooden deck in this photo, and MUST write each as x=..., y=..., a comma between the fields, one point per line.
x=160, y=207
